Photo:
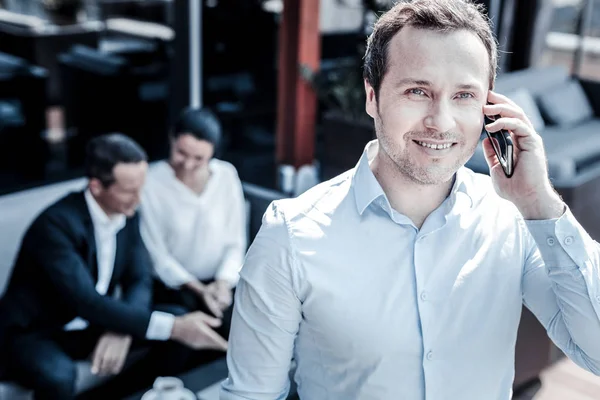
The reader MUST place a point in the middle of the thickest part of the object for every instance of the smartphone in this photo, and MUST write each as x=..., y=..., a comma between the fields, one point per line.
x=503, y=146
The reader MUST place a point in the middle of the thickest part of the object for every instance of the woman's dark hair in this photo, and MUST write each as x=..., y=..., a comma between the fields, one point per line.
x=201, y=123
x=104, y=152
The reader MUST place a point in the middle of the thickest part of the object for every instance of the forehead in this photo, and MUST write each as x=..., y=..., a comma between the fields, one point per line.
x=191, y=144
x=454, y=57
x=130, y=175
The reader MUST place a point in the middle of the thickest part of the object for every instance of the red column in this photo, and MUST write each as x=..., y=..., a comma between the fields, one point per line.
x=299, y=44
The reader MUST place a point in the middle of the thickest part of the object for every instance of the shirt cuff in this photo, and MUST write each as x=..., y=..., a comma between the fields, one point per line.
x=229, y=274
x=174, y=275
x=160, y=326
x=561, y=241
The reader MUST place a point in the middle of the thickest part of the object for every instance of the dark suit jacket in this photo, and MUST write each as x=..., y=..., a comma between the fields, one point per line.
x=54, y=278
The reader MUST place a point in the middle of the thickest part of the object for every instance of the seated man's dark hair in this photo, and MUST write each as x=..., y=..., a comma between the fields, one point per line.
x=104, y=152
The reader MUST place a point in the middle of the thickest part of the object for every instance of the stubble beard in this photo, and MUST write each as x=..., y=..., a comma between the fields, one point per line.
x=432, y=174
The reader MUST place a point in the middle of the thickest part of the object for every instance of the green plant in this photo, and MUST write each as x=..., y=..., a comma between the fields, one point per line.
x=340, y=87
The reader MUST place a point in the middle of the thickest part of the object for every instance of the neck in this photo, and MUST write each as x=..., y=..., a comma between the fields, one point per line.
x=195, y=180
x=413, y=199
x=106, y=210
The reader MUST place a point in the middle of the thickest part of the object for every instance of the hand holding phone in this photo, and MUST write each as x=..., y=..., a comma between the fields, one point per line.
x=503, y=146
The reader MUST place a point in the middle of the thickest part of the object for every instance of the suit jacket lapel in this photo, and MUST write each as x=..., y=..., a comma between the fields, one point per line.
x=90, y=237
x=120, y=255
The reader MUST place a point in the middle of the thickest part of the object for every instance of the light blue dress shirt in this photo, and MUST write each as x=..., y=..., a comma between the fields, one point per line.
x=370, y=307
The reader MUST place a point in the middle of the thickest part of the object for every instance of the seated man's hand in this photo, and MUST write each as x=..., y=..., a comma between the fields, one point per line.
x=110, y=354
x=195, y=331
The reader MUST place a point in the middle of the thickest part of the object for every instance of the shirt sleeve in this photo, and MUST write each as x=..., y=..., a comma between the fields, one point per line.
x=236, y=233
x=153, y=229
x=160, y=326
x=561, y=286
x=266, y=317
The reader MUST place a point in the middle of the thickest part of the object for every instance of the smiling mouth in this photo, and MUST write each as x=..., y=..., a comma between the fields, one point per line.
x=441, y=146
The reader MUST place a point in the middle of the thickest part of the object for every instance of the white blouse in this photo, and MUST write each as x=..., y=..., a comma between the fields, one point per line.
x=194, y=236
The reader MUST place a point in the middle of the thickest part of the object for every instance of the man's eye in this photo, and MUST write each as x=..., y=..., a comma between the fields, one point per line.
x=465, y=95
x=418, y=92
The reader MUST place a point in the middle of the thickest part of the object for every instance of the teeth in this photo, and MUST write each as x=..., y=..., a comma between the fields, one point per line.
x=435, y=146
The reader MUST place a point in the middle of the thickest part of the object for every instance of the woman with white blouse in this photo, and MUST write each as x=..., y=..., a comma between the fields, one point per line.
x=193, y=219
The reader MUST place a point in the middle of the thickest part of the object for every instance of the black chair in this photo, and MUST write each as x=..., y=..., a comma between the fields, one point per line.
x=41, y=44
x=258, y=199
x=107, y=92
x=23, y=152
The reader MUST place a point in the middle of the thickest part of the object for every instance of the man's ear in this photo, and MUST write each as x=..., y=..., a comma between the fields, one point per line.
x=371, y=101
x=95, y=186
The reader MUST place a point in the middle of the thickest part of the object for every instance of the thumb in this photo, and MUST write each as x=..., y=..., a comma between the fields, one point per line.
x=211, y=321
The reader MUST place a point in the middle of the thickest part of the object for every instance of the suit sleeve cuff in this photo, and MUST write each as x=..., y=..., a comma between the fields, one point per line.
x=160, y=326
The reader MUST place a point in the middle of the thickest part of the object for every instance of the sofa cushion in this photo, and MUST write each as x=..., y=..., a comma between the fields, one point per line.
x=536, y=80
x=580, y=144
x=18, y=210
x=569, y=151
x=565, y=105
x=523, y=98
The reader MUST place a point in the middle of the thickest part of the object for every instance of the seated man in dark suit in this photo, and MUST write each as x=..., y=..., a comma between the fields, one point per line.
x=60, y=304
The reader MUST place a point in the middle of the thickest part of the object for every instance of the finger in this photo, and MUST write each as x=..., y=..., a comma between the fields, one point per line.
x=97, y=356
x=506, y=110
x=516, y=126
x=227, y=296
x=213, y=306
x=227, y=301
x=120, y=361
x=223, y=304
x=211, y=321
x=489, y=153
x=106, y=361
x=216, y=341
x=496, y=98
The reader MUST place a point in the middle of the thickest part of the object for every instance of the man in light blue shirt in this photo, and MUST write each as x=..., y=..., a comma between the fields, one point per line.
x=404, y=278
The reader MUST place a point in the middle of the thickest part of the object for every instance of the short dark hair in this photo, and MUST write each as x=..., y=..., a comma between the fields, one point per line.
x=437, y=15
x=104, y=152
x=201, y=123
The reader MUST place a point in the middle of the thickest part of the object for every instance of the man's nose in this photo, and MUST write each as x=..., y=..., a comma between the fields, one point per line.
x=440, y=117
x=189, y=164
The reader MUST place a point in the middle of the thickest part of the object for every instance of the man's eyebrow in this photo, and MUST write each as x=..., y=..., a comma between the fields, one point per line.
x=426, y=83
x=413, y=81
x=468, y=86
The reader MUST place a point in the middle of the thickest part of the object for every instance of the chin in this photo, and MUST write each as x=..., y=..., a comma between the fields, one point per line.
x=431, y=175
x=129, y=212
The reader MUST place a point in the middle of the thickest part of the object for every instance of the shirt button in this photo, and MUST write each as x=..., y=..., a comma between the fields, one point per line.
x=430, y=356
x=550, y=241
x=569, y=240
x=424, y=296
x=598, y=299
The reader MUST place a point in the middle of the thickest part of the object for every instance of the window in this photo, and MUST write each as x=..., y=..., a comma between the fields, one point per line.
x=564, y=45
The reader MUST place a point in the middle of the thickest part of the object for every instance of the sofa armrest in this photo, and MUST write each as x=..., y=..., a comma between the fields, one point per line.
x=592, y=91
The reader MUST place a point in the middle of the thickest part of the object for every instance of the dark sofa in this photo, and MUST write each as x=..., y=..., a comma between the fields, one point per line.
x=566, y=112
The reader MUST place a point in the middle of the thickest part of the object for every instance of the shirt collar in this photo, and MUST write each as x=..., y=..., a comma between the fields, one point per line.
x=367, y=189
x=99, y=217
